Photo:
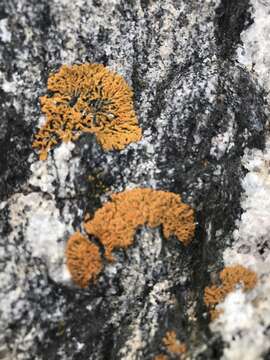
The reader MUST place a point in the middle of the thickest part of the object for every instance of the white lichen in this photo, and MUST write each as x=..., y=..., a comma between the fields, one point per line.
x=5, y=34
x=57, y=174
x=245, y=317
x=254, y=53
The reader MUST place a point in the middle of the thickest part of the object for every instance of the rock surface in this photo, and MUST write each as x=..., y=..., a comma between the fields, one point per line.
x=200, y=94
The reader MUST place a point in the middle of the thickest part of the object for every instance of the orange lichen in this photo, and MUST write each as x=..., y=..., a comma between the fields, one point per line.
x=83, y=259
x=116, y=222
x=87, y=98
x=173, y=345
x=230, y=277
x=161, y=357
x=215, y=313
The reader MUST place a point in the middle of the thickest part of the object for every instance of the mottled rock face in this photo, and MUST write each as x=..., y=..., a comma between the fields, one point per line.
x=200, y=111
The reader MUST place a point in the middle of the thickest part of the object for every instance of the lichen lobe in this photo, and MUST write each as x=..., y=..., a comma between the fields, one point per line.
x=173, y=345
x=83, y=260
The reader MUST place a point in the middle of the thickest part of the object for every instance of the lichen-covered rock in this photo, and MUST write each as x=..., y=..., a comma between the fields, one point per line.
x=200, y=97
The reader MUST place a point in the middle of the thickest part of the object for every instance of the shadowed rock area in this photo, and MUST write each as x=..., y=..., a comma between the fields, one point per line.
x=198, y=108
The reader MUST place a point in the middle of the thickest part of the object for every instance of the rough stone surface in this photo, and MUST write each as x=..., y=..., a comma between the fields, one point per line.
x=201, y=98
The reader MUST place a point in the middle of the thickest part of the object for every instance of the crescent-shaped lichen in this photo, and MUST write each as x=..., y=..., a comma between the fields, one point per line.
x=116, y=222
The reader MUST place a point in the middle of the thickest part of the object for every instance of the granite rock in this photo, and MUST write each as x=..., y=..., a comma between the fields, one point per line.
x=203, y=112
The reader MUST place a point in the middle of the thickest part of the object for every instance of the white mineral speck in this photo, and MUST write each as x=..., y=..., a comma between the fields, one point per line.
x=5, y=34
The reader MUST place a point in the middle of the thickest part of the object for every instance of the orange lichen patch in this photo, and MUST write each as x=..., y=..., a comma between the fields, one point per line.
x=83, y=259
x=161, y=357
x=173, y=345
x=87, y=98
x=230, y=277
x=116, y=222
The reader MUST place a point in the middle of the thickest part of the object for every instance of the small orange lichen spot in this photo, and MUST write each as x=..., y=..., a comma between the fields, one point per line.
x=87, y=98
x=83, y=259
x=173, y=344
x=215, y=313
x=230, y=277
x=161, y=357
x=116, y=222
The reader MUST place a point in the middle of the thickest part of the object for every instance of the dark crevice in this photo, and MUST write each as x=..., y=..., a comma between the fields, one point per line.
x=232, y=17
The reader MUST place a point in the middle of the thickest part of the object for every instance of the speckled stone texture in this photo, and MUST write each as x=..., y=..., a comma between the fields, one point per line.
x=199, y=109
